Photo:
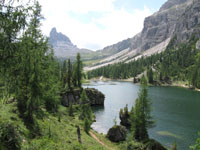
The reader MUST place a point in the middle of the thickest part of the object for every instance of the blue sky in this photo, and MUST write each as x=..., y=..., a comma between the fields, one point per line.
x=139, y=4
x=94, y=24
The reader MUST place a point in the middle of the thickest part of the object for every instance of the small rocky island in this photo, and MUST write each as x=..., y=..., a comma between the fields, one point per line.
x=96, y=98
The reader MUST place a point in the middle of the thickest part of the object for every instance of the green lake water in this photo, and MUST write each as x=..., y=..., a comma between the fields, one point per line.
x=176, y=111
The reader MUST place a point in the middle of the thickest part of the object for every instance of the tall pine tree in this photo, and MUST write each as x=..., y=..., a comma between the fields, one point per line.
x=141, y=118
x=69, y=74
x=79, y=69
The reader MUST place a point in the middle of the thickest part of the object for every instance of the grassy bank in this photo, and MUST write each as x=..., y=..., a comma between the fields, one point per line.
x=58, y=131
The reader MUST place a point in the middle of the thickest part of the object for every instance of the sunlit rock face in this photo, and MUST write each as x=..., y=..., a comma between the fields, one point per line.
x=178, y=19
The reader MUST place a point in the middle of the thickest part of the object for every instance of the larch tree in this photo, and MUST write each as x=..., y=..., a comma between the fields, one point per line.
x=64, y=73
x=69, y=74
x=141, y=117
x=79, y=70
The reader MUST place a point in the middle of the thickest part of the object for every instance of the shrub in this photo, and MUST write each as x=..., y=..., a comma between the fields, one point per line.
x=9, y=137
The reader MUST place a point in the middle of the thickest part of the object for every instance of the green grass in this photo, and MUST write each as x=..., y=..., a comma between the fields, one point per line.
x=55, y=135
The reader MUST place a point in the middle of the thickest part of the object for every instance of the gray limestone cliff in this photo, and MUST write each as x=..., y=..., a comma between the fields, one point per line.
x=176, y=18
x=157, y=27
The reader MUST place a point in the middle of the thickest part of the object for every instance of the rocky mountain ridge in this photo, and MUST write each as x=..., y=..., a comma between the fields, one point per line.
x=176, y=18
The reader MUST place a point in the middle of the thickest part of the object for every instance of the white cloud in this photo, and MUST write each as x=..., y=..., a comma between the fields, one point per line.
x=118, y=24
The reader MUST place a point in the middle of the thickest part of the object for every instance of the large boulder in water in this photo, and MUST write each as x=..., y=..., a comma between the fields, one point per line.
x=95, y=97
x=117, y=133
x=154, y=145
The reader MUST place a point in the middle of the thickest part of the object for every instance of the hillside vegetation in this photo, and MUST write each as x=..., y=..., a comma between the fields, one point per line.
x=31, y=87
x=177, y=63
x=57, y=131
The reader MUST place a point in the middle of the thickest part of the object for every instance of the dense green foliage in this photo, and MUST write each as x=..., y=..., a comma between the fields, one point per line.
x=87, y=125
x=31, y=77
x=86, y=112
x=177, y=62
x=77, y=72
x=28, y=69
x=150, y=75
x=9, y=137
x=121, y=70
x=71, y=111
x=69, y=74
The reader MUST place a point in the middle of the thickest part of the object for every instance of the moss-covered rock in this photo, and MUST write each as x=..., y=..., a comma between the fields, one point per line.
x=95, y=97
x=117, y=134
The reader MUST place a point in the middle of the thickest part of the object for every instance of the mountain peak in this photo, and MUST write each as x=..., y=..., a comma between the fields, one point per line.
x=58, y=37
x=53, y=31
x=62, y=45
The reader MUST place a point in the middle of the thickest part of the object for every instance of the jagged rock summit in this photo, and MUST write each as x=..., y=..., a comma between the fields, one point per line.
x=63, y=47
x=58, y=37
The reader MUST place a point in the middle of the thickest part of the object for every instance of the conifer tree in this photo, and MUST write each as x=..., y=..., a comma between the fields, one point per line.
x=87, y=125
x=12, y=21
x=69, y=74
x=74, y=76
x=33, y=49
x=37, y=79
x=86, y=111
x=150, y=75
x=71, y=113
x=64, y=73
x=79, y=70
x=142, y=113
x=52, y=84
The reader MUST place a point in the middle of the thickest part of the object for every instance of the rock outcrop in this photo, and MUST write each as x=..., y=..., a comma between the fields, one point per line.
x=117, y=133
x=95, y=97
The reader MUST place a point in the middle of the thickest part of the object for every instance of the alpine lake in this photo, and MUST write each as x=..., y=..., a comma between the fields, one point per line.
x=176, y=111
